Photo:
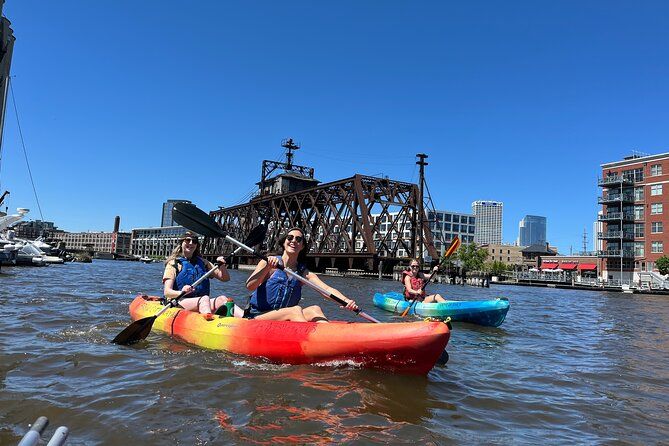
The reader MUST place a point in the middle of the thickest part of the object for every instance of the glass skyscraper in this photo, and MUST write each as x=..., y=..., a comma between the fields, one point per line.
x=532, y=230
x=167, y=219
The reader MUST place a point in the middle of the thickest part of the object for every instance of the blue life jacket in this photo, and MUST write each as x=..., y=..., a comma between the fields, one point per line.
x=189, y=274
x=279, y=291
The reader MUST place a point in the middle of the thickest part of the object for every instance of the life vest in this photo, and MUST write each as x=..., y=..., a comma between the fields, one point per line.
x=416, y=284
x=189, y=274
x=279, y=291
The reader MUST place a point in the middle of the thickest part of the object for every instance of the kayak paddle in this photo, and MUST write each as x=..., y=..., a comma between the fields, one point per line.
x=141, y=328
x=191, y=217
x=455, y=244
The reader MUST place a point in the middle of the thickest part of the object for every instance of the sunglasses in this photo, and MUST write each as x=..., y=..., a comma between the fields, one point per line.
x=298, y=238
x=190, y=240
x=414, y=266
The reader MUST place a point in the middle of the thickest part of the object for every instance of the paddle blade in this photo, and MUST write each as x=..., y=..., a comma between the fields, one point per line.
x=135, y=332
x=191, y=217
x=406, y=311
x=256, y=236
x=455, y=244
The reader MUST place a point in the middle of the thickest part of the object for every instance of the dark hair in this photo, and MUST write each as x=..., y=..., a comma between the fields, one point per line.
x=302, y=256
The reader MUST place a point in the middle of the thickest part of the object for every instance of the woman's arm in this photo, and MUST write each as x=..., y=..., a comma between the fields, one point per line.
x=169, y=277
x=313, y=278
x=222, y=273
x=260, y=274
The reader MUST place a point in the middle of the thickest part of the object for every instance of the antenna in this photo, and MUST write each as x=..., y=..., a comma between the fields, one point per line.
x=290, y=146
x=585, y=241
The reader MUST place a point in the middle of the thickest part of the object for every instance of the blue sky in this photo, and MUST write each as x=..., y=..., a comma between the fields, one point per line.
x=124, y=104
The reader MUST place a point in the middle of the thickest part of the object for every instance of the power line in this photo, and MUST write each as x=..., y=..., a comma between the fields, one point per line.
x=23, y=144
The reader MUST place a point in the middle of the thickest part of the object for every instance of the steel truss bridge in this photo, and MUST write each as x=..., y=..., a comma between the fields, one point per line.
x=357, y=222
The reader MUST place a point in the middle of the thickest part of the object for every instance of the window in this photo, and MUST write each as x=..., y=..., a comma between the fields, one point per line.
x=471, y=220
x=638, y=212
x=638, y=230
x=456, y=219
x=508, y=251
x=656, y=189
x=655, y=169
x=493, y=250
x=638, y=193
x=456, y=228
x=656, y=227
x=635, y=174
x=447, y=217
x=657, y=247
x=638, y=249
x=447, y=226
x=656, y=208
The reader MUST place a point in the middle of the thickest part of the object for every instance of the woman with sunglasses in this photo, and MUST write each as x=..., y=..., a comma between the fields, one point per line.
x=414, y=284
x=183, y=267
x=276, y=294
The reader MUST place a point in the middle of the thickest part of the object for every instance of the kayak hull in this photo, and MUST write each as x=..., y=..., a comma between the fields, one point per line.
x=401, y=347
x=490, y=313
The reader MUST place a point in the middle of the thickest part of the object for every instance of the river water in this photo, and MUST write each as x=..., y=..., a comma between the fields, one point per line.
x=574, y=367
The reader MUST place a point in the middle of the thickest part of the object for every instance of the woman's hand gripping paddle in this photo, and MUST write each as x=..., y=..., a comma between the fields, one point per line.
x=193, y=218
x=455, y=244
x=141, y=328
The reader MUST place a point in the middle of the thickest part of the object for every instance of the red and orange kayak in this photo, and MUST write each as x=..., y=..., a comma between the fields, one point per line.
x=411, y=347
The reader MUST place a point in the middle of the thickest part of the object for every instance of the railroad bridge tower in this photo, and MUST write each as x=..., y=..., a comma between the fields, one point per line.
x=355, y=222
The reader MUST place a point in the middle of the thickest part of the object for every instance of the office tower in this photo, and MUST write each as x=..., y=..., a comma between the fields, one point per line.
x=532, y=230
x=488, y=215
x=167, y=219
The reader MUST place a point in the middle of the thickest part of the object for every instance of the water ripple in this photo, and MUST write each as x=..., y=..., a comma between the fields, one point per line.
x=567, y=366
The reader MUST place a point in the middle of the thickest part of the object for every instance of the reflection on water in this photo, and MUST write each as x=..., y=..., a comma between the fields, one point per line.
x=565, y=367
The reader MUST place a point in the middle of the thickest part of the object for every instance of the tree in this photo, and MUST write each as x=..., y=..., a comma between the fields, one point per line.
x=496, y=268
x=663, y=265
x=471, y=256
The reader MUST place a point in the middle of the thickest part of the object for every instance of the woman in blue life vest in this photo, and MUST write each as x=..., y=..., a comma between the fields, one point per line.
x=183, y=268
x=276, y=294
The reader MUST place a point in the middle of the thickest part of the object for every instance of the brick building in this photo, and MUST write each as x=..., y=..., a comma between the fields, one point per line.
x=635, y=207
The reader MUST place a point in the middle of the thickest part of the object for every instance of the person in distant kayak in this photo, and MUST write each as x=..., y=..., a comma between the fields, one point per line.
x=414, y=281
x=183, y=268
x=276, y=294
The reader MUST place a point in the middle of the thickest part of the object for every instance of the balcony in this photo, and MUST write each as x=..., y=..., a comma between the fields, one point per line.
x=616, y=216
x=626, y=235
x=615, y=180
x=615, y=198
x=616, y=253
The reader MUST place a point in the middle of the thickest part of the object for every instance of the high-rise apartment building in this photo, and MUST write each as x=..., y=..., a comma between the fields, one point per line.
x=488, y=216
x=167, y=219
x=532, y=230
x=633, y=203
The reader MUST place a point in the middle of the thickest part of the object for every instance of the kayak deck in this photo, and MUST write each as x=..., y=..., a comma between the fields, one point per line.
x=411, y=347
x=482, y=312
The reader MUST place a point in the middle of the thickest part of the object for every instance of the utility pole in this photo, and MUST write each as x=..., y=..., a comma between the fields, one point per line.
x=421, y=162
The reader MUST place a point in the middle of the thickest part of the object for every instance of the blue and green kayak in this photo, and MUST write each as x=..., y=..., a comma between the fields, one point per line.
x=483, y=312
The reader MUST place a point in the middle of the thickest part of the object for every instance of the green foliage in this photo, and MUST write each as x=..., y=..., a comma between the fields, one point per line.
x=496, y=268
x=472, y=257
x=662, y=265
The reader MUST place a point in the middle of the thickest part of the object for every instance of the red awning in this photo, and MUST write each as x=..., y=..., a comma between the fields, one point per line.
x=568, y=266
x=549, y=265
x=587, y=267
